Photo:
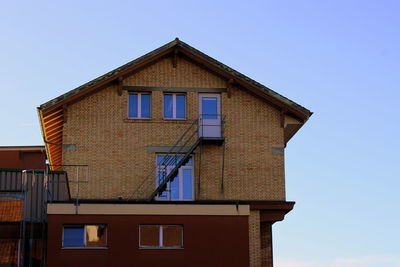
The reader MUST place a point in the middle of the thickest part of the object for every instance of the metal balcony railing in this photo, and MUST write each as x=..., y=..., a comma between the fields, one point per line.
x=208, y=127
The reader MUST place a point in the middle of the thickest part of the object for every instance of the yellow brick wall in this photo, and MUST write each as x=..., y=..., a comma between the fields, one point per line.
x=255, y=239
x=266, y=244
x=115, y=148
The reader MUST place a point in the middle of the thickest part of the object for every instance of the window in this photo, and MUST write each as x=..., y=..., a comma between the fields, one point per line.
x=182, y=186
x=174, y=106
x=82, y=236
x=139, y=105
x=161, y=236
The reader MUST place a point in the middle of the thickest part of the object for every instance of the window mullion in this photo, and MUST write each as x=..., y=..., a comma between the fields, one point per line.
x=161, y=236
x=84, y=235
x=174, y=106
x=139, y=105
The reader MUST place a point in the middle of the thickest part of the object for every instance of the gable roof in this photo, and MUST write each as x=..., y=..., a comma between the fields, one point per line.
x=52, y=114
x=190, y=51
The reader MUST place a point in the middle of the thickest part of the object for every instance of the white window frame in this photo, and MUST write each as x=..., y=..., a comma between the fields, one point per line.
x=174, y=106
x=180, y=179
x=85, y=246
x=139, y=106
x=160, y=237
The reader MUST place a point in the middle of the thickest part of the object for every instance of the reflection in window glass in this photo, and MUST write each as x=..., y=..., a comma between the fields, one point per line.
x=73, y=236
x=181, y=187
x=85, y=236
x=96, y=235
x=180, y=106
x=175, y=188
x=172, y=236
x=161, y=236
x=187, y=184
x=162, y=174
x=168, y=106
x=149, y=235
x=209, y=107
x=145, y=103
x=133, y=106
x=174, y=106
x=139, y=105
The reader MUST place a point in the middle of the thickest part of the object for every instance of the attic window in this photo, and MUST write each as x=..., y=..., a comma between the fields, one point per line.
x=139, y=106
x=175, y=106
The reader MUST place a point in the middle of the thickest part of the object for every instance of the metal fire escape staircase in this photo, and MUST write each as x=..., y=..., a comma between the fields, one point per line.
x=178, y=155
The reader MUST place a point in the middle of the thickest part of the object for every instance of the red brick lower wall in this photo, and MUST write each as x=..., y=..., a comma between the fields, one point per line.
x=208, y=241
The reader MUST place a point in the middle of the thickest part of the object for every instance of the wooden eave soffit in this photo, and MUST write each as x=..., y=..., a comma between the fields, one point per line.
x=290, y=125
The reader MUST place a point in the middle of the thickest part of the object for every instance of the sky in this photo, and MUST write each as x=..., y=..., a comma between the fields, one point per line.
x=340, y=59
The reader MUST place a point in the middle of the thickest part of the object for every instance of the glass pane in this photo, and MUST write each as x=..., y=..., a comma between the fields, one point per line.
x=145, y=106
x=172, y=236
x=189, y=163
x=160, y=159
x=167, y=106
x=209, y=107
x=96, y=235
x=73, y=237
x=176, y=159
x=149, y=235
x=187, y=184
x=175, y=188
x=162, y=174
x=133, y=106
x=181, y=106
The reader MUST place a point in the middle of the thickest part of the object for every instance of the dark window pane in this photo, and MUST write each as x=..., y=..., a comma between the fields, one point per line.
x=187, y=184
x=73, y=237
x=145, y=106
x=209, y=107
x=133, y=106
x=149, y=235
x=96, y=235
x=181, y=106
x=172, y=236
x=167, y=106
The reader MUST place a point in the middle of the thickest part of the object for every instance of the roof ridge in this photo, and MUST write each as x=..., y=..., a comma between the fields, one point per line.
x=178, y=42
x=244, y=77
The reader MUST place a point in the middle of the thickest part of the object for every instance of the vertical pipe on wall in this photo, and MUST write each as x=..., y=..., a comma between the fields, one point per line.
x=223, y=168
x=201, y=152
x=25, y=189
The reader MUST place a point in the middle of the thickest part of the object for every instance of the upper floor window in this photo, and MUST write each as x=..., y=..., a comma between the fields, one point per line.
x=182, y=186
x=81, y=236
x=174, y=106
x=139, y=105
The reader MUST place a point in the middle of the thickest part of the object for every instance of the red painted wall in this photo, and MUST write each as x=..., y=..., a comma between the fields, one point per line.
x=208, y=241
x=23, y=159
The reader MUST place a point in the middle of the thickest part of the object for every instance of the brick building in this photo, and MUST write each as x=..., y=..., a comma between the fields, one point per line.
x=22, y=157
x=173, y=159
x=19, y=207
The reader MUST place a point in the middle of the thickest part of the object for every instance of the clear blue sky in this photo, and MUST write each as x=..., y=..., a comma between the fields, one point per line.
x=338, y=58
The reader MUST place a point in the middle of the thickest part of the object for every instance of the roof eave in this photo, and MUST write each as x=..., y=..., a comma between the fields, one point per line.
x=208, y=62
